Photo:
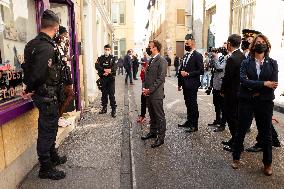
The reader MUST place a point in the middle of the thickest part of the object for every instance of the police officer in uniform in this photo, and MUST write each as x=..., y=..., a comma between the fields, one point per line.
x=42, y=78
x=106, y=67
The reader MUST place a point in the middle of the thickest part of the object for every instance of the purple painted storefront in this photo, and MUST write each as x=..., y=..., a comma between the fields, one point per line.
x=11, y=110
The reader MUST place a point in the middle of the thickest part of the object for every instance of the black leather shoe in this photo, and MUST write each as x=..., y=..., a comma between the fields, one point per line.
x=113, y=113
x=148, y=136
x=47, y=171
x=227, y=143
x=219, y=129
x=186, y=125
x=228, y=148
x=103, y=110
x=157, y=143
x=214, y=124
x=191, y=130
x=276, y=144
x=255, y=148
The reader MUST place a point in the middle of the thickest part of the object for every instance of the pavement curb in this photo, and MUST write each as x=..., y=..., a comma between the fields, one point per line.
x=125, y=169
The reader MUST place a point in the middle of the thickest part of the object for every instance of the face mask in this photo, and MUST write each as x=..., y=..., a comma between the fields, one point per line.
x=187, y=48
x=149, y=52
x=260, y=48
x=245, y=45
x=107, y=53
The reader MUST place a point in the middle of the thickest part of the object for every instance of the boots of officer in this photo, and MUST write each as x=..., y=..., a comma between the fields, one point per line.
x=103, y=110
x=47, y=171
x=113, y=112
x=56, y=159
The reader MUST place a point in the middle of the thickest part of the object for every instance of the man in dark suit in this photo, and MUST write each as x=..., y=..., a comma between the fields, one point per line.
x=230, y=86
x=189, y=81
x=128, y=66
x=154, y=90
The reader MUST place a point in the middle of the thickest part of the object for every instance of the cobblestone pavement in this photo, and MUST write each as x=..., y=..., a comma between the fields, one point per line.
x=197, y=160
x=96, y=153
x=93, y=150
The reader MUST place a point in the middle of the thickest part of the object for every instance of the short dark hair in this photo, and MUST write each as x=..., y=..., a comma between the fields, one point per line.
x=235, y=40
x=107, y=46
x=129, y=51
x=157, y=44
x=49, y=19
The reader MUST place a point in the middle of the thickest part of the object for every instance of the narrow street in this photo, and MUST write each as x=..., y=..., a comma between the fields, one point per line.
x=108, y=153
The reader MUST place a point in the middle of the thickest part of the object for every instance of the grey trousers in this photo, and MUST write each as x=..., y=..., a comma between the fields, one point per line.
x=157, y=117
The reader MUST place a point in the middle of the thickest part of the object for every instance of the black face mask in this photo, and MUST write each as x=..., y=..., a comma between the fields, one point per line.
x=148, y=51
x=187, y=48
x=260, y=48
x=245, y=45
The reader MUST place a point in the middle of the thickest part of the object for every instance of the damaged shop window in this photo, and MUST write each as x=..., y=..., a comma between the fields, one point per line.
x=13, y=38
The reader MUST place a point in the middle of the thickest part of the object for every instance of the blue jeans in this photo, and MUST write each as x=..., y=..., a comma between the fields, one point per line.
x=207, y=76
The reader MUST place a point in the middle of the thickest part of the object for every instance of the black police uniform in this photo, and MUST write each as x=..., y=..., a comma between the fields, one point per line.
x=42, y=76
x=107, y=82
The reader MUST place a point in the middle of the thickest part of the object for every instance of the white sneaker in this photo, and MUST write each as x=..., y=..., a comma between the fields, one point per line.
x=62, y=122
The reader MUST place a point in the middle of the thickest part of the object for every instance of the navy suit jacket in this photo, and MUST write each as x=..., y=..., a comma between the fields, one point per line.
x=195, y=68
x=251, y=85
x=231, y=80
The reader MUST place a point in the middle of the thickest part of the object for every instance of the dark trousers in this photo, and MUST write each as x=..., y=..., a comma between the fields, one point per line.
x=128, y=74
x=108, y=90
x=263, y=116
x=157, y=117
x=231, y=114
x=135, y=71
x=176, y=69
x=274, y=135
x=120, y=70
x=218, y=102
x=190, y=98
x=47, y=128
x=143, y=105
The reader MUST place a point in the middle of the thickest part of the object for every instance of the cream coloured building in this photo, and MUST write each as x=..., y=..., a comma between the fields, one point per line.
x=122, y=16
x=169, y=22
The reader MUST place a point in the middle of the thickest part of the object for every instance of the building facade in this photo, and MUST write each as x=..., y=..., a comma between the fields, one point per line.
x=90, y=28
x=169, y=22
x=222, y=18
x=122, y=17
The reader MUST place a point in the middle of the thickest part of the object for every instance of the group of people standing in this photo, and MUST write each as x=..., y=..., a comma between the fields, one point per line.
x=243, y=89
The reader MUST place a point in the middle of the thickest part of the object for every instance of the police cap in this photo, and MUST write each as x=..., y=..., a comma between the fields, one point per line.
x=188, y=36
x=249, y=33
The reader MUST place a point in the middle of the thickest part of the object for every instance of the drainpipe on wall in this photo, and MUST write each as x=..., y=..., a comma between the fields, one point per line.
x=83, y=53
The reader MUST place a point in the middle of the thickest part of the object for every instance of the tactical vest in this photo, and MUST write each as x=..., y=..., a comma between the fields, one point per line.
x=54, y=69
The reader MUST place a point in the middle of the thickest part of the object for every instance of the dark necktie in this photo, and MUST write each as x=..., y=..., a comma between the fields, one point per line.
x=150, y=61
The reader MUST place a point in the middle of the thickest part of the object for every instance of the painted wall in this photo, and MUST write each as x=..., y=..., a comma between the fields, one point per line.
x=16, y=136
